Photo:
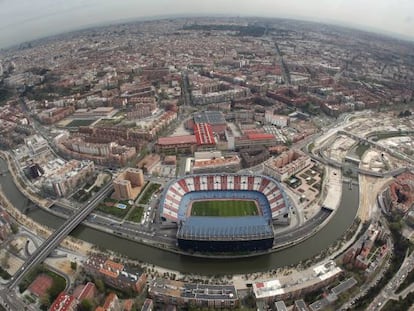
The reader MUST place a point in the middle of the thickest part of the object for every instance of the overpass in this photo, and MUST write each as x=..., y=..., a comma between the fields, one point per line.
x=58, y=236
x=322, y=158
x=63, y=204
x=379, y=146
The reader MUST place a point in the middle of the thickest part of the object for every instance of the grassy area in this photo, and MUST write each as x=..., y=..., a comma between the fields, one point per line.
x=149, y=191
x=81, y=196
x=29, y=299
x=4, y=274
x=83, y=122
x=224, y=208
x=311, y=146
x=109, y=122
x=120, y=114
x=361, y=149
x=108, y=206
x=136, y=214
x=388, y=135
x=402, y=304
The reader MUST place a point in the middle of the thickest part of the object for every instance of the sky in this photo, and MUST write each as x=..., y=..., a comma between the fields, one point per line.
x=24, y=20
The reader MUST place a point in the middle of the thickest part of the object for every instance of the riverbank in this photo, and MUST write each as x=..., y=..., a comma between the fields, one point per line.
x=44, y=232
x=301, y=252
x=44, y=204
x=39, y=201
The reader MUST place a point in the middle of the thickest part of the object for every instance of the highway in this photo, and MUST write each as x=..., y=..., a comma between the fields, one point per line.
x=301, y=231
x=323, y=158
x=57, y=237
x=364, y=288
x=394, y=153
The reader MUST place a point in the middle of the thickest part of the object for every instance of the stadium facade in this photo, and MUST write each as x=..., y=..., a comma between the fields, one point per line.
x=242, y=233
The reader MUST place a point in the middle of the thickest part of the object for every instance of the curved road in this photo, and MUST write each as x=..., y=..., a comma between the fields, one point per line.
x=57, y=237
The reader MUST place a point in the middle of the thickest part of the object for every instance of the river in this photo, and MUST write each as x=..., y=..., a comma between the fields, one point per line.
x=337, y=226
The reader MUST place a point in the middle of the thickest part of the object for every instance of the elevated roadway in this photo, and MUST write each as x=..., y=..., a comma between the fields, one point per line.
x=378, y=146
x=324, y=159
x=58, y=236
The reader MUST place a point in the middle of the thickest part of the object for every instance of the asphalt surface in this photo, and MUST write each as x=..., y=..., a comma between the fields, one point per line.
x=388, y=292
x=305, y=229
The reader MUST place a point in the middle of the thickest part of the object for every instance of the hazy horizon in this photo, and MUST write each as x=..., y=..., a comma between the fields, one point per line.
x=26, y=20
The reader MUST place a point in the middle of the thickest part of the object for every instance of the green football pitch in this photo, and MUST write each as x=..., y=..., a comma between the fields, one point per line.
x=224, y=208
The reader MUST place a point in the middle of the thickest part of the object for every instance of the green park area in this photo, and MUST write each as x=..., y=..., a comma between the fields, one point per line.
x=224, y=208
x=80, y=122
x=136, y=214
x=148, y=192
x=115, y=207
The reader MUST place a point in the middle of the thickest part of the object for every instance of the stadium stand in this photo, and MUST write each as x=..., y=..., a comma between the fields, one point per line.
x=218, y=234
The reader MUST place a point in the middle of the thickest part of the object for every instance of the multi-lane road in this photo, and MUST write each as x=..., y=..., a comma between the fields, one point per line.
x=57, y=237
x=8, y=297
x=388, y=292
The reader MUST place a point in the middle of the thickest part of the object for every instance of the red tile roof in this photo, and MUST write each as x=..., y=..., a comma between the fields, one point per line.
x=87, y=292
x=259, y=136
x=109, y=299
x=63, y=302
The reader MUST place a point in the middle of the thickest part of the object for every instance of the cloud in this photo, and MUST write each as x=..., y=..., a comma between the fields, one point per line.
x=22, y=20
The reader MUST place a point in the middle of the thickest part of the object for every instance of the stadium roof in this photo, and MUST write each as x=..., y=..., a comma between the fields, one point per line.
x=212, y=117
x=225, y=228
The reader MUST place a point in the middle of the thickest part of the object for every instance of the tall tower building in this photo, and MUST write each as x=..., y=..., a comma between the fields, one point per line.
x=135, y=176
x=128, y=184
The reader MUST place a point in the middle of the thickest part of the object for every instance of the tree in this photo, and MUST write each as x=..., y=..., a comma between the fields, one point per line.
x=100, y=286
x=45, y=302
x=5, y=261
x=13, y=248
x=57, y=287
x=14, y=227
x=249, y=301
x=73, y=265
x=86, y=305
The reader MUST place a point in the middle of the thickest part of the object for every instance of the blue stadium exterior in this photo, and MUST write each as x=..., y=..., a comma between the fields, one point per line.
x=224, y=234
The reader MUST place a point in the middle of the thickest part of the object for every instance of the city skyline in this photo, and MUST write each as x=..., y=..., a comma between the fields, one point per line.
x=24, y=20
x=188, y=160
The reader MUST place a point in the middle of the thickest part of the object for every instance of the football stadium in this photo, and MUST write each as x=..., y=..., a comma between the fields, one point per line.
x=224, y=212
